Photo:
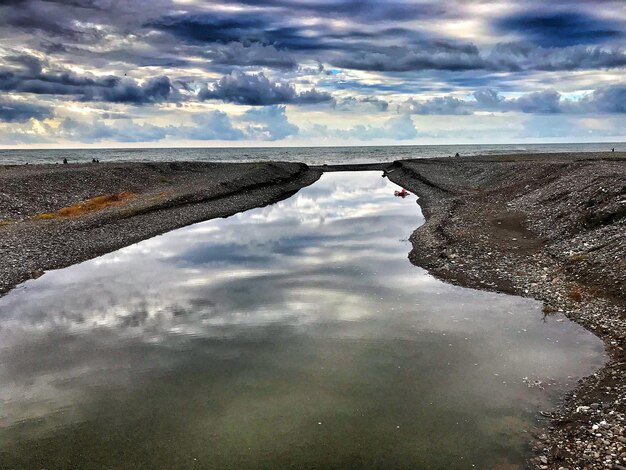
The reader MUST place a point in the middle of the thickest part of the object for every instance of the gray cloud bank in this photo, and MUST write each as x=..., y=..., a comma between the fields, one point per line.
x=258, y=90
x=132, y=60
x=606, y=100
x=31, y=78
x=14, y=111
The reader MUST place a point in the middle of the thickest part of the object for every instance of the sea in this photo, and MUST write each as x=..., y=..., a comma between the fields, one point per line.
x=308, y=155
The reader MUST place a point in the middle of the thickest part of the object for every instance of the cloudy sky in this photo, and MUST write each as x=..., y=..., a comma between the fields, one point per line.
x=76, y=73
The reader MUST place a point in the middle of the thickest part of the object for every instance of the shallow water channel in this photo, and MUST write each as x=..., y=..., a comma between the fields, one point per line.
x=292, y=336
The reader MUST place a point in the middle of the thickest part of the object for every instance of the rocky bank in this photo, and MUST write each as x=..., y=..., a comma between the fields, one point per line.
x=155, y=198
x=551, y=227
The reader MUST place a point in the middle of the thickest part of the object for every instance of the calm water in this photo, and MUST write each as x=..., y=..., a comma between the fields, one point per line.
x=310, y=155
x=293, y=336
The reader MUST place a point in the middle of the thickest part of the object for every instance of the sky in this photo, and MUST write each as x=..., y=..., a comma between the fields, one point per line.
x=163, y=73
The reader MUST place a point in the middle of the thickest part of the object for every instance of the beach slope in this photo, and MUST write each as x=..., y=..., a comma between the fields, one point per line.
x=53, y=216
x=551, y=227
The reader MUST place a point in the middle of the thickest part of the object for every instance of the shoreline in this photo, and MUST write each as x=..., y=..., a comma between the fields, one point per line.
x=547, y=226
x=550, y=228
x=163, y=197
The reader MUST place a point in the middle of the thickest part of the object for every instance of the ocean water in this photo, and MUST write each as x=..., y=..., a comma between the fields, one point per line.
x=309, y=155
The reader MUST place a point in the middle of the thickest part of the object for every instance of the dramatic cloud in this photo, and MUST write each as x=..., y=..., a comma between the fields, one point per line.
x=258, y=90
x=438, y=56
x=363, y=10
x=32, y=79
x=439, y=105
x=520, y=56
x=505, y=57
x=541, y=102
x=269, y=123
x=268, y=70
x=12, y=111
x=219, y=27
x=606, y=100
x=610, y=99
x=562, y=28
x=251, y=54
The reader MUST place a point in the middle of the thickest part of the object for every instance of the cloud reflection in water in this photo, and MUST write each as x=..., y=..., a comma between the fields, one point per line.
x=266, y=323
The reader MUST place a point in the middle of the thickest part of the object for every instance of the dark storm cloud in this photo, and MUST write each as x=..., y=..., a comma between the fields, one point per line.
x=352, y=47
x=604, y=100
x=521, y=56
x=505, y=57
x=54, y=19
x=32, y=79
x=279, y=22
x=376, y=36
x=364, y=10
x=357, y=56
x=251, y=54
x=609, y=99
x=541, y=102
x=403, y=59
x=362, y=47
x=258, y=90
x=13, y=111
x=240, y=27
x=213, y=27
x=561, y=28
x=285, y=32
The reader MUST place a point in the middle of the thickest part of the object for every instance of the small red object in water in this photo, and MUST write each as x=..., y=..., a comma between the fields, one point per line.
x=401, y=194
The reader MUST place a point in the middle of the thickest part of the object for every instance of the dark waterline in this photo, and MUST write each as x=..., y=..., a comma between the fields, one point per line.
x=292, y=336
x=309, y=155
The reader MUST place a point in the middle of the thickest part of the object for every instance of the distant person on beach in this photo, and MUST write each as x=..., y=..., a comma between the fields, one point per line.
x=457, y=154
x=613, y=149
x=65, y=161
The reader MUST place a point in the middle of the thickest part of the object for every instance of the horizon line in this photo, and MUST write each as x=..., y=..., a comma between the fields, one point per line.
x=8, y=148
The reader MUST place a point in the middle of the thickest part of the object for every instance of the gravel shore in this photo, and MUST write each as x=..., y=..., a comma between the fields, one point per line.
x=162, y=197
x=551, y=227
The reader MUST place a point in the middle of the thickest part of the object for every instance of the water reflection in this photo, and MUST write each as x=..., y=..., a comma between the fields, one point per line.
x=292, y=336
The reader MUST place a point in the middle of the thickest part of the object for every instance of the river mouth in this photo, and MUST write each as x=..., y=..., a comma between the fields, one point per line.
x=292, y=336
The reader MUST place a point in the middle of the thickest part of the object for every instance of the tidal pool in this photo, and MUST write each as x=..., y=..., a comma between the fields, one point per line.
x=295, y=336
